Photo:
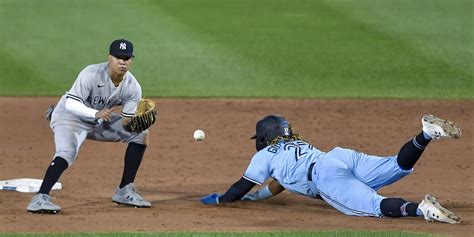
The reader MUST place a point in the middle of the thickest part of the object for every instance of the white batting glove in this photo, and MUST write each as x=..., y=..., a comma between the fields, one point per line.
x=261, y=194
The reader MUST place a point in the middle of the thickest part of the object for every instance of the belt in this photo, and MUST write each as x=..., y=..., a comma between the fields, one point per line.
x=310, y=171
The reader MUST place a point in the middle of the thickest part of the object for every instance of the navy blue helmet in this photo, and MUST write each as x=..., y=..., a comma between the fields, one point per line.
x=269, y=128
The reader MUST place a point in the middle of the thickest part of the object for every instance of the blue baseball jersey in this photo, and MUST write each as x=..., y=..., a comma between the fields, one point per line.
x=287, y=162
x=346, y=179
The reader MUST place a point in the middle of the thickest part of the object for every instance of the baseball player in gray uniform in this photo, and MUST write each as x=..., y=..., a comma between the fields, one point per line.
x=346, y=179
x=86, y=112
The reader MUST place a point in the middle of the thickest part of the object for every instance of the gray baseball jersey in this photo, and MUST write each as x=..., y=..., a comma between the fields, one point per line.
x=95, y=89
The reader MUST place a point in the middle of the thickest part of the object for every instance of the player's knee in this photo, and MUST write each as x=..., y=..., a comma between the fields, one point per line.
x=141, y=138
x=61, y=161
x=69, y=156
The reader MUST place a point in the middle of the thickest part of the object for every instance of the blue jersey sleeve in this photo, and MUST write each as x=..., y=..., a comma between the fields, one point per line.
x=259, y=169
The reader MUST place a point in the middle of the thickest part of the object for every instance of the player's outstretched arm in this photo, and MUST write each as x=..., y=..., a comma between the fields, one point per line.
x=234, y=193
x=272, y=189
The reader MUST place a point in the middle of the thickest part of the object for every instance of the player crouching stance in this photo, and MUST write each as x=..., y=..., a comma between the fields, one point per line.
x=85, y=111
x=346, y=179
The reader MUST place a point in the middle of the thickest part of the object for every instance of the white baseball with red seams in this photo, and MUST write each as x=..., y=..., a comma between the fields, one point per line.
x=199, y=135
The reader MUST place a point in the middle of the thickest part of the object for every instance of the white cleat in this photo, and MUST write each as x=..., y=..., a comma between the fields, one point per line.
x=128, y=195
x=41, y=203
x=433, y=211
x=438, y=128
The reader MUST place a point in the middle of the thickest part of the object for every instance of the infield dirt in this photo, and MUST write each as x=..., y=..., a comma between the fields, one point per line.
x=177, y=170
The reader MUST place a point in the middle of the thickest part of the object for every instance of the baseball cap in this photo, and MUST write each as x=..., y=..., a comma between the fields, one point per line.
x=275, y=123
x=121, y=47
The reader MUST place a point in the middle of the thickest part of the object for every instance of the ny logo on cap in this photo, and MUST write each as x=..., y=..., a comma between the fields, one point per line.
x=123, y=46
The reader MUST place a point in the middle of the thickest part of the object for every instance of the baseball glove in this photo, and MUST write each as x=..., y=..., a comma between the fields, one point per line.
x=144, y=117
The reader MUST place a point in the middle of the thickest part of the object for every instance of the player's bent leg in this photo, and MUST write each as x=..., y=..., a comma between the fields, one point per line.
x=68, y=139
x=374, y=171
x=113, y=131
x=339, y=187
x=364, y=201
x=433, y=211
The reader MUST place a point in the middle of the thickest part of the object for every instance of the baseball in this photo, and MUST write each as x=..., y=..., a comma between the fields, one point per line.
x=199, y=135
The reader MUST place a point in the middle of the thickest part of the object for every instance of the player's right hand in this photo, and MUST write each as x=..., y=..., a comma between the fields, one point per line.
x=105, y=114
x=211, y=199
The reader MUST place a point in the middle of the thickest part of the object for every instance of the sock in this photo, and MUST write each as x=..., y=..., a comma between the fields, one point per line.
x=54, y=171
x=398, y=207
x=419, y=212
x=412, y=209
x=133, y=158
x=426, y=136
x=411, y=151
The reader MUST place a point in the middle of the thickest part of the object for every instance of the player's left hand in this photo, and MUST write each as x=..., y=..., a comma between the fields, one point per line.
x=211, y=199
x=250, y=197
x=145, y=116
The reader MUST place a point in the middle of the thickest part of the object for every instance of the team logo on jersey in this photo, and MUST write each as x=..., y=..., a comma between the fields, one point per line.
x=99, y=100
x=123, y=46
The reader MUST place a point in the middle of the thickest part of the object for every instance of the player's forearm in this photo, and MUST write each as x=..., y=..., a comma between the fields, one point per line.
x=275, y=187
x=80, y=109
x=272, y=189
x=236, y=191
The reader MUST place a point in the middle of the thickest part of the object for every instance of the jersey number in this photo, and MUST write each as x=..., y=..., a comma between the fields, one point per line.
x=297, y=148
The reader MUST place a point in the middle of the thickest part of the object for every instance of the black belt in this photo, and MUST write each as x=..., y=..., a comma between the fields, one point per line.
x=310, y=171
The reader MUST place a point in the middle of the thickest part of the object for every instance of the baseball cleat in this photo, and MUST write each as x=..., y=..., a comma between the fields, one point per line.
x=128, y=195
x=41, y=203
x=433, y=211
x=438, y=128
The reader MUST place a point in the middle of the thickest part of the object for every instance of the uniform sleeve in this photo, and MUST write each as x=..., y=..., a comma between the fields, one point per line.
x=82, y=87
x=130, y=104
x=259, y=169
x=237, y=191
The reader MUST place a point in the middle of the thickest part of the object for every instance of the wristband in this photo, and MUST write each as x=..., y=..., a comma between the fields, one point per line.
x=263, y=193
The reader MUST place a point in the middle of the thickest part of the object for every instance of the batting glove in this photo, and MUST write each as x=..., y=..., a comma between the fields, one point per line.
x=211, y=199
x=261, y=194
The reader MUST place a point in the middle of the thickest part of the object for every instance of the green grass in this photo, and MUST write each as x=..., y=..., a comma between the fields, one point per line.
x=246, y=48
x=271, y=234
